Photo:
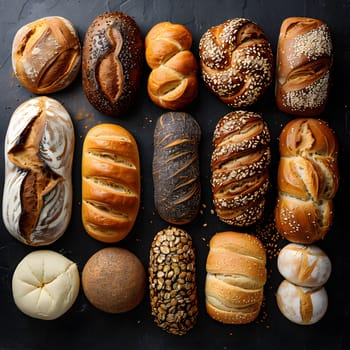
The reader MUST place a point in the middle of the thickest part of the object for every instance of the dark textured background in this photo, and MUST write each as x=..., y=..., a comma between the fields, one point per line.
x=85, y=327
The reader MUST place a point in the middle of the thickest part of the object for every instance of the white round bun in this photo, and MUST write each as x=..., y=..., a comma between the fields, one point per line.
x=302, y=305
x=45, y=284
x=304, y=265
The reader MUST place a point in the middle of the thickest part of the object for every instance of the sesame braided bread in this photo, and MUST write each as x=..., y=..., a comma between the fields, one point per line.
x=239, y=165
x=236, y=61
x=308, y=179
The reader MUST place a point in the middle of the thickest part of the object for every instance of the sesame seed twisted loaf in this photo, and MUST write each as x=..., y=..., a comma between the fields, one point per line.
x=308, y=179
x=236, y=275
x=304, y=61
x=239, y=167
x=173, y=83
x=237, y=61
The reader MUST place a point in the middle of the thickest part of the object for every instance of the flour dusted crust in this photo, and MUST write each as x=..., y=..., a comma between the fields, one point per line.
x=45, y=284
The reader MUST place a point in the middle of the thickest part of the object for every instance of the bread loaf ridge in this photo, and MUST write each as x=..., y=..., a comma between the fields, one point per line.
x=39, y=147
x=110, y=182
x=308, y=179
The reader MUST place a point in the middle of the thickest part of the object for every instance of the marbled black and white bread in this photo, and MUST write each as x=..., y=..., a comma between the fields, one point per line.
x=304, y=60
x=239, y=165
x=236, y=61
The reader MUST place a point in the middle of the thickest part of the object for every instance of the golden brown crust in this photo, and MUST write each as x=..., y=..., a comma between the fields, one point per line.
x=239, y=165
x=237, y=61
x=112, y=62
x=172, y=83
x=46, y=55
x=308, y=180
x=236, y=275
x=304, y=59
x=110, y=182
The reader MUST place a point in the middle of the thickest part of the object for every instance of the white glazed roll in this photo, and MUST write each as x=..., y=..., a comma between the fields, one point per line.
x=302, y=305
x=304, y=265
x=45, y=284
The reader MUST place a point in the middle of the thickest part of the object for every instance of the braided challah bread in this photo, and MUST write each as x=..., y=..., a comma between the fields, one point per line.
x=236, y=275
x=308, y=179
x=172, y=83
x=237, y=61
x=239, y=167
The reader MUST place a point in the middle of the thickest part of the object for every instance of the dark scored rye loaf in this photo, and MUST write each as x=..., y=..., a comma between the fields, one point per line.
x=177, y=189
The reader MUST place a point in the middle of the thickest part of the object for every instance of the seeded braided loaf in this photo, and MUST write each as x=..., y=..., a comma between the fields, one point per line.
x=239, y=167
x=237, y=61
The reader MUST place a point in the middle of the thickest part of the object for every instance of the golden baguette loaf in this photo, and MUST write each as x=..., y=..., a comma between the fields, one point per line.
x=239, y=166
x=304, y=60
x=308, y=180
x=110, y=182
x=236, y=275
x=172, y=83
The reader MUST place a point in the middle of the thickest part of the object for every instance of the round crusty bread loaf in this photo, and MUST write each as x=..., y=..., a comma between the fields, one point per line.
x=114, y=280
x=301, y=305
x=236, y=275
x=304, y=265
x=45, y=284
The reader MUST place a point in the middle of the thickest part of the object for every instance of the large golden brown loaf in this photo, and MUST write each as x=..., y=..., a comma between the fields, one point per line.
x=236, y=61
x=110, y=182
x=236, y=275
x=46, y=54
x=304, y=60
x=308, y=180
x=112, y=62
x=172, y=83
x=239, y=165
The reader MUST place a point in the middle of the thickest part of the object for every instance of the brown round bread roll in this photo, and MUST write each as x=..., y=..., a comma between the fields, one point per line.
x=112, y=62
x=236, y=61
x=236, y=275
x=304, y=61
x=39, y=149
x=175, y=167
x=172, y=281
x=172, y=83
x=239, y=166
x=46, y=54
x=114, y=280
x=307, y=179
x=111, y=184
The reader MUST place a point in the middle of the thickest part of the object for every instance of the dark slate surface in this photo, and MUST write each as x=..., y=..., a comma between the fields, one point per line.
x=84, y=327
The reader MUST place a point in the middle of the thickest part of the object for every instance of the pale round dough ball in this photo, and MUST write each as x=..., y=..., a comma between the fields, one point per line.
x=114, y=280
x=302, y=305
x=304, y=265
x=45, y=284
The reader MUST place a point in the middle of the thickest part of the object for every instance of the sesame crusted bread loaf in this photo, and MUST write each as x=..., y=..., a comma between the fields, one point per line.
x=46, y=54
x=236, y=275
x=175, y=167
x=304, y=59
x=172, y=281
x=236, y=61
x=239, y=165
x=110, y=182
x=172, y=83
x=112, y=62
x=308, y=180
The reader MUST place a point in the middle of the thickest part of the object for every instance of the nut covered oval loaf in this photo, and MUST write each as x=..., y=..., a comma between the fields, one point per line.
x=304, y=60
x=239, y=165
x=112, y=62
x=110, y=182
x=308, y=180
x=172, y=83
x=236, y=275
x=175, y=168
x=172, y=281
x=39, y=147
x=236, y=61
